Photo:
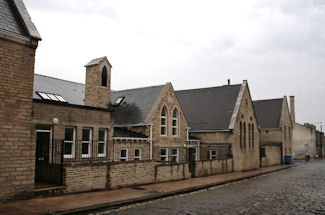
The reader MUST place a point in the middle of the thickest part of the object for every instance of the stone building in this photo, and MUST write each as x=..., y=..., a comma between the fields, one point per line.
x=303, y=136
x=18, y=42
x=224, y=121
x=153, y=113
x=274, y=119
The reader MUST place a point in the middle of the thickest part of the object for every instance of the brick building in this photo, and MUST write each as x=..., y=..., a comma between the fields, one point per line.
x=274, y=119
x=18, y=42
x=224, y=121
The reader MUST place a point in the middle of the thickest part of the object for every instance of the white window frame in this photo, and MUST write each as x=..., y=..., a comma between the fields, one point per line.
x=163, y=125
x=176, y=124
x=73, y=141
x=164, y=156
x=175, y=155
x=211, y=155
x=102, y=141
x=196, y=153
x=87, y=141
x=140, y=152
x=127, y=154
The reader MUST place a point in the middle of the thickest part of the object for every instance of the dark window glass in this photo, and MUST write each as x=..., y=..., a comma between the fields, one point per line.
x=85, y=148
x=101, y=148
x=67, y=148
x=69, y=134
x=137, y=152
x=101, y=136
x=86, y=134
x=104, y=77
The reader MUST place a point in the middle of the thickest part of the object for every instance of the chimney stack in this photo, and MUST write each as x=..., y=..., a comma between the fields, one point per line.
x=228, y=82
x=292, y=108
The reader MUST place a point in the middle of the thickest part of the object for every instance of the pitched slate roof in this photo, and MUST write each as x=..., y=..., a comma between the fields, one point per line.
x=72, y=92
x=209, y=108
x=268, y=112
x=96, y=61
x=136, y=105
x=122, y=132
x=15, y=20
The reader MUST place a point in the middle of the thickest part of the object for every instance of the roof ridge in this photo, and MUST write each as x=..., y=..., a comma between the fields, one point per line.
x=204, y=88
x=59, y=79
x=117, y=91
x=267, y=99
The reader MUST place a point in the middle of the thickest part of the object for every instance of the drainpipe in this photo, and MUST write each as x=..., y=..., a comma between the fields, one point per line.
x=150, y=141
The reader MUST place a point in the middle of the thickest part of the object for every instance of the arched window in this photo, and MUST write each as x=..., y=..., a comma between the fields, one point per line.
x=240, y=135
x=175, y=123
x=104, y=77
x=244, y=135
x=253, y=135
x=163, y=122
x=249, y=136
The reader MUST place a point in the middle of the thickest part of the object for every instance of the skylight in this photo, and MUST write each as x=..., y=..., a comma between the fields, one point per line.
x=118, y=101
x=51, y=97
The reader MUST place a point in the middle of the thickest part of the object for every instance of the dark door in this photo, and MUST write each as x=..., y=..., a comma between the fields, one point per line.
x=48, y=165
x=43, y=146
x=191, y=160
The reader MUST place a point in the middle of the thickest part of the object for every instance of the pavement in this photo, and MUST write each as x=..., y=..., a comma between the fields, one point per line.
x=83, y=202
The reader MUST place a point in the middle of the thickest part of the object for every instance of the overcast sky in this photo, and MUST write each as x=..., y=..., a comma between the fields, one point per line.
x=278, y=46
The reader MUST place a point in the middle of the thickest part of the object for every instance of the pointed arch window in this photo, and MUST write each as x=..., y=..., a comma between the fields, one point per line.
x=240, y=135
x=175, y=123
x=104, y=77
x=253, y=135
x=163, y=122
x=249, y=135
x=244, y=135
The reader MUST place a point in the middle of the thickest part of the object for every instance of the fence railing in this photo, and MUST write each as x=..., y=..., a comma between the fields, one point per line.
x=63, y=151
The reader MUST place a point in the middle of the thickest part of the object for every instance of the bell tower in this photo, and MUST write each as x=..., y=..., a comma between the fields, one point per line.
x=98, y=83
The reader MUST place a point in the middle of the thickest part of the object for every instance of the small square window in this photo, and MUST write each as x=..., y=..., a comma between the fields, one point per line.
x=124, y=154
x=213, y=154
x=164, y=154
x=175, y=155
x=137, y=154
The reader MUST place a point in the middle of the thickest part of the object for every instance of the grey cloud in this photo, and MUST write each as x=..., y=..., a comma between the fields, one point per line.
x=79, y=7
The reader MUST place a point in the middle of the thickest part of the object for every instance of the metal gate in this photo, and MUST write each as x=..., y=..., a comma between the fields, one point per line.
x=49, y=161
x=191, y=160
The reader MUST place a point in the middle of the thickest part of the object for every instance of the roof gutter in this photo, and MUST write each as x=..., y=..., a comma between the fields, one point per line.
x=199, y=131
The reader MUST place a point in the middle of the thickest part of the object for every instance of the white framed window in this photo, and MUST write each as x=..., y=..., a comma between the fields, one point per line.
x=86, y=142
x=164, y=154
x=163, y=122
x=102, y=142
x=175, y=123
x=212, y=154
x=69, y=142
x=124, y=154
x=175, y=155
x=137, y=154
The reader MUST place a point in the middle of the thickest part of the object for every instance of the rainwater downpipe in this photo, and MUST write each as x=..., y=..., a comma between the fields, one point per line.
x=150, y=141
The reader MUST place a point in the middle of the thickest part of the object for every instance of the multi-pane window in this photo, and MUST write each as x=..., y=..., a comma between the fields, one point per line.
x=175, y=155
x=137, y=154
x=213, y=154
x=69, y=142
x=164, y=154
x=175, y=123
x=163, y=122
x=124, y=154
x=86, y=142
x=102, y=142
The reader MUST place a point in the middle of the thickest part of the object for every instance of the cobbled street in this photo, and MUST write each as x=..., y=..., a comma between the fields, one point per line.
x=298, y=190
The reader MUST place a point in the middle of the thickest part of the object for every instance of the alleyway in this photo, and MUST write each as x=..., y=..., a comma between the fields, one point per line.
x=299, y=190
